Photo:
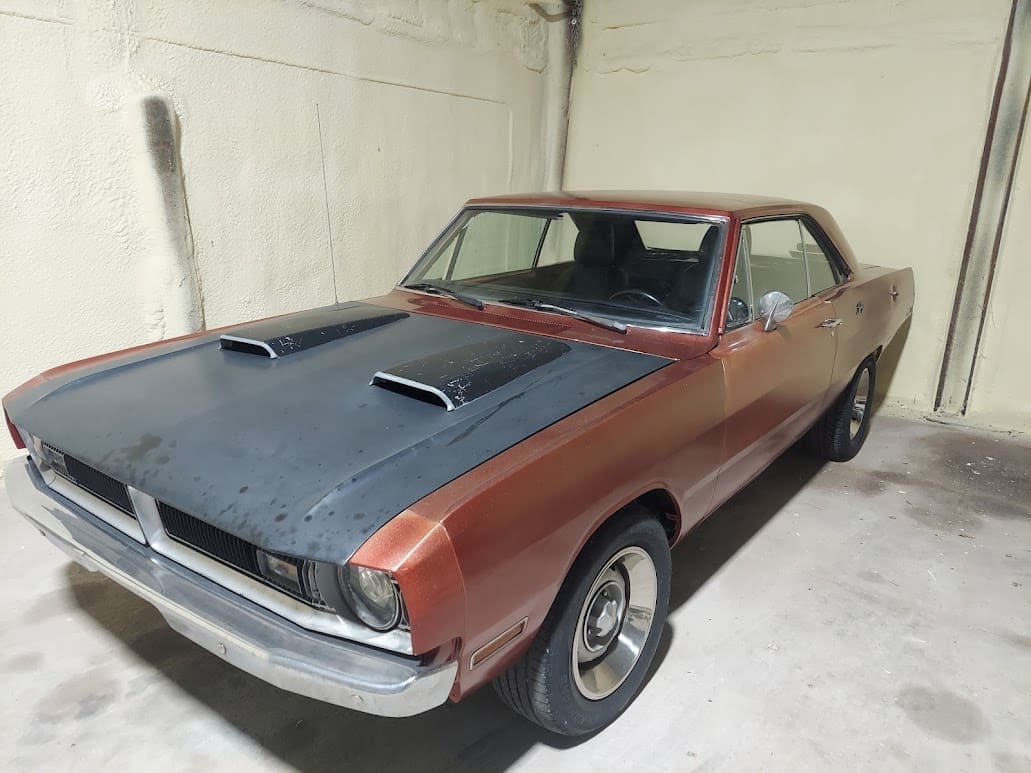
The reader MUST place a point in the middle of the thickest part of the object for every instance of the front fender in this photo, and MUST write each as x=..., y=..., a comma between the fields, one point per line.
x=518, y=522
x=418, y=552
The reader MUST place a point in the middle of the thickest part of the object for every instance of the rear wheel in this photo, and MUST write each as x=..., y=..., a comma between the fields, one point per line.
x=594, y=648
x=842, y=430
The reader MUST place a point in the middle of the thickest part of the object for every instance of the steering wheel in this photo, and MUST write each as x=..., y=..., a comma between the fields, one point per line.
x=634, y=292
x=738, y=311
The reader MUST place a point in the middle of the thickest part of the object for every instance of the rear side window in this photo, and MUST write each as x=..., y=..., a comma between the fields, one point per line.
x=785, y=255
x=778, y=259
x=822, y=272
x=680, y=237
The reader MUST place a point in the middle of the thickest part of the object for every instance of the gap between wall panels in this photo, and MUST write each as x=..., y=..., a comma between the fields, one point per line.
x=990, y=208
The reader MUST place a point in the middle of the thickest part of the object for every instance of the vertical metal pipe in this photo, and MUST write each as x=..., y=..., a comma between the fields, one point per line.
x=562, y=57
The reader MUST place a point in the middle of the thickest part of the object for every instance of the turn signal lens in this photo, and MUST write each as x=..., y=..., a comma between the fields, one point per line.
x=280, y=571
x=372, y=595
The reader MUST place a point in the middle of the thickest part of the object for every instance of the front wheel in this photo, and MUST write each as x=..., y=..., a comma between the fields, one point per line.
x=841, y=431
x=594, y=648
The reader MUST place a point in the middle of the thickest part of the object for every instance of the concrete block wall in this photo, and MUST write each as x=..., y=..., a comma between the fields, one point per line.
x=876, y=110
x=169, y=165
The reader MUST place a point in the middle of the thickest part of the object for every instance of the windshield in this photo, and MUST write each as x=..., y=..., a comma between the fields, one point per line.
x=633, y=267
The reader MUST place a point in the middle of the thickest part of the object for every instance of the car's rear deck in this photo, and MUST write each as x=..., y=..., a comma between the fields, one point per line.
x=828, y=616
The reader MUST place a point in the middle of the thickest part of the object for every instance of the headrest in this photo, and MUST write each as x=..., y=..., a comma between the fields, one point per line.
x=596, y=246
x=604, y=242
x=707, y=247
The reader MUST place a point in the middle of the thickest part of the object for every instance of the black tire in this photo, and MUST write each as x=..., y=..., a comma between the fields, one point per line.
x=834, y=436
x=542, y=686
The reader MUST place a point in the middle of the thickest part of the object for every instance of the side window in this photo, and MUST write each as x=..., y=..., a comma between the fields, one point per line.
x=558, y=243
x=777, y=259
x=822, y=273
x=490, y=243
x=739, y=309
x=443, y=262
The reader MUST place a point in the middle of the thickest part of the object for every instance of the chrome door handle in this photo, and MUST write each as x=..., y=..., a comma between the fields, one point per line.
x=831, y=323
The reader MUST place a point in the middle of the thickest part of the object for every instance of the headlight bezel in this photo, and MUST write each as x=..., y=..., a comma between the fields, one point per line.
x=383, y=614
x=335, y=588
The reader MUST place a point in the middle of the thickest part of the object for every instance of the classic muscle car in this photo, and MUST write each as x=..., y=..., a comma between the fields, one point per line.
x=477, y=477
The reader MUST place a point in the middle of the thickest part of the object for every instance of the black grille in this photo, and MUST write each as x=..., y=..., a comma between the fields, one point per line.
x=92, y=480
x=235, y=552
x=206, y=538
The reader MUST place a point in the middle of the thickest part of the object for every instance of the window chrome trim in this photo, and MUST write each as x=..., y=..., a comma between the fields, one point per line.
x=751, y=283
x=748, y=271
x=280, y=603
x=805, y=259
x=830, y=249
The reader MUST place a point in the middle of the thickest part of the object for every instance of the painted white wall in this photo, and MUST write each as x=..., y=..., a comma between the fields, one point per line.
x=317, y=137
x=876, y=110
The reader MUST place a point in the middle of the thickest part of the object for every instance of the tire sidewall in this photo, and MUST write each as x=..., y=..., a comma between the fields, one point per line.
x=576, y=714
x=848, y=446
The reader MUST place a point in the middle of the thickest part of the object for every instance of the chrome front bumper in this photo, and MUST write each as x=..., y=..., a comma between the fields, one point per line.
x=235, y=629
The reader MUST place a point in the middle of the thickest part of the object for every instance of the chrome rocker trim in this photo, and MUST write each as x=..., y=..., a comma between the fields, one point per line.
x=238, y=631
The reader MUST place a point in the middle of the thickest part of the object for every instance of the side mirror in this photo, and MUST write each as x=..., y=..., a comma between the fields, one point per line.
x=774, y=308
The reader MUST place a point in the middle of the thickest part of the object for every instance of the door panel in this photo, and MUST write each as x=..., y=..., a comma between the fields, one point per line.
x=776, y=385
x=850, y=303
x=859, y=305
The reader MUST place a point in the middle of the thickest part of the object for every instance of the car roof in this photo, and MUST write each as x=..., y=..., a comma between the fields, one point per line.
x=663, y=201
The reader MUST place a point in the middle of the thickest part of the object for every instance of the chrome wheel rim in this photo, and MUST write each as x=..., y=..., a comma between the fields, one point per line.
x=614, y=623
x=859, y=404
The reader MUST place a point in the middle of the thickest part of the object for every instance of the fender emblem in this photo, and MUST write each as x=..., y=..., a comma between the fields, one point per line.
x=859, y=308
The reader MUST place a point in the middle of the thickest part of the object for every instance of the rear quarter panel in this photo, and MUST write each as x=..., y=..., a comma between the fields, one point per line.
x=873, y=307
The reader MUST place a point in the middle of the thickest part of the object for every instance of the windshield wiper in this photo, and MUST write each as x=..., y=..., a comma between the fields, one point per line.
x=434, y=289
x=537, y=303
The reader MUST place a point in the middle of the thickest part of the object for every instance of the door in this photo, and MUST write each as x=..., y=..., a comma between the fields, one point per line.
x=776, y=380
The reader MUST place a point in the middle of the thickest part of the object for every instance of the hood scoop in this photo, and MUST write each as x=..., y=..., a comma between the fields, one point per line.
x=454, y=377
x=280, y=336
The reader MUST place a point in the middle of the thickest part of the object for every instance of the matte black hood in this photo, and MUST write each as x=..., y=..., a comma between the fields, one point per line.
x=303, y=454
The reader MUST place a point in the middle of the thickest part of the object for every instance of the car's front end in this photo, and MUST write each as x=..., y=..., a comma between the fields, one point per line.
x=261, y=502
x=337, y=633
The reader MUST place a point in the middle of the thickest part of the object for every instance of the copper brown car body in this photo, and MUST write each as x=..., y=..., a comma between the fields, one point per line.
x=751, y=397
x=481, y=559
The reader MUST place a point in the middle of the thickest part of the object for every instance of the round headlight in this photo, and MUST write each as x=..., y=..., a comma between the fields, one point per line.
x=372, y=595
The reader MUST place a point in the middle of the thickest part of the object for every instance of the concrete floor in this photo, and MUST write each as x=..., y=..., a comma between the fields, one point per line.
x=872, y=615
